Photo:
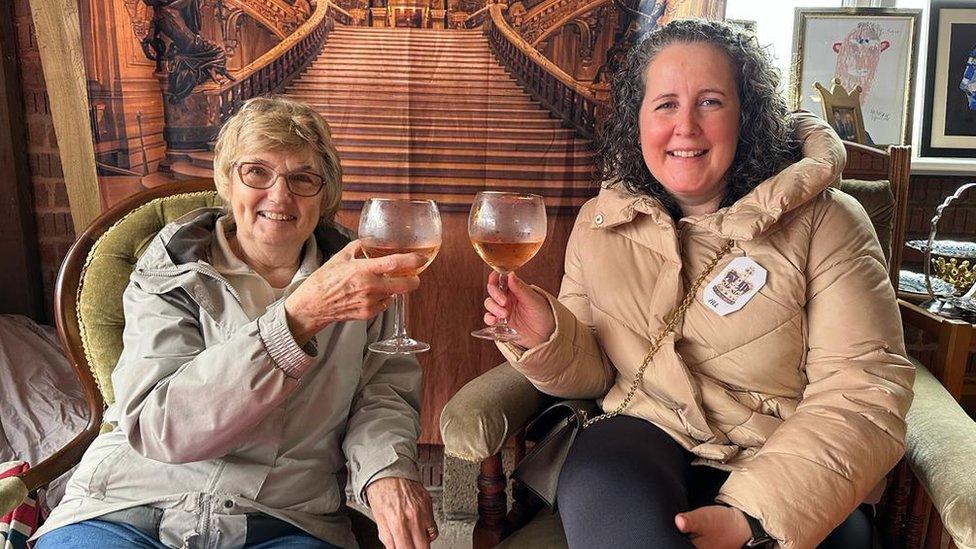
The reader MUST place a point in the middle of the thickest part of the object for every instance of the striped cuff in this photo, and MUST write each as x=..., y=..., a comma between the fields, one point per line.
x=281, y=344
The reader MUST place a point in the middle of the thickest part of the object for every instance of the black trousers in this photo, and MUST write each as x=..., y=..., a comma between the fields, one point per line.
x=625, y=479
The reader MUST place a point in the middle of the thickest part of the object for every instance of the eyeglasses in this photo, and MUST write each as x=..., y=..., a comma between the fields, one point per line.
x=259, y=176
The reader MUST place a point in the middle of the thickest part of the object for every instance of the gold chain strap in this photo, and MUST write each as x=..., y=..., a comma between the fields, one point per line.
x=669, y=324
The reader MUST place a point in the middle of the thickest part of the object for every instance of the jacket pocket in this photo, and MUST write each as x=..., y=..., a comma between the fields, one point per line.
x=325, y=498
x=103, y=471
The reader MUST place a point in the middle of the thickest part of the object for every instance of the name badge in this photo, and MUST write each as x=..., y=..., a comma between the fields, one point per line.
x=738, y=282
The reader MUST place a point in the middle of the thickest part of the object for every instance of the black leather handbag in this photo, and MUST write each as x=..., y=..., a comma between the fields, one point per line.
x=553, y=432
x=557, y=427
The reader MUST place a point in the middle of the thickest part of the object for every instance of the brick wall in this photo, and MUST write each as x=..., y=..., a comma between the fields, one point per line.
x=55, y=232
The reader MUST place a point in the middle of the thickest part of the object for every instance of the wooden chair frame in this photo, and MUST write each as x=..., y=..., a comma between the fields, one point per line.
x=66, y=321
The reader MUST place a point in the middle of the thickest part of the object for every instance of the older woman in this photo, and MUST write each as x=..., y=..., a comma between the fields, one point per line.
x=765, y=407
x=244, y=387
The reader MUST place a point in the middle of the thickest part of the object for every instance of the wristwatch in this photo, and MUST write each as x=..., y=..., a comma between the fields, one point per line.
x=759, y=536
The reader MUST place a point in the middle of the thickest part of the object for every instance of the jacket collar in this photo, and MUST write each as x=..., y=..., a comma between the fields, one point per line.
x=823, y=161
x=184, y=246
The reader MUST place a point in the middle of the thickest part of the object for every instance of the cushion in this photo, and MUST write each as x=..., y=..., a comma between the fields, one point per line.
x=940, y=445
x=877, y=199
x=106, y=275
x=17, y=525
x=481, y=416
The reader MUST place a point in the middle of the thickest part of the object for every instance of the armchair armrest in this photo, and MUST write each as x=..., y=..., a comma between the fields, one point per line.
x=954, y=338
x=940, y=446
x=13, y=491
x=489, y=409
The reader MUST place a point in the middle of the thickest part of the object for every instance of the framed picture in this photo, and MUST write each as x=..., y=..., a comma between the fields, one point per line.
x=874, y=48
x=842, y=109
x=949, y=116
x=845, y=122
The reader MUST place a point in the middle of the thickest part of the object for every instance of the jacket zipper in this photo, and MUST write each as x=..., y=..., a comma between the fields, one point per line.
x=197, y=269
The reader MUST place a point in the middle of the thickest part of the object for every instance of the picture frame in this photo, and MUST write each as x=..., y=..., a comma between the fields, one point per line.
x=949, y=110
x=874, y=48
x=842, y=110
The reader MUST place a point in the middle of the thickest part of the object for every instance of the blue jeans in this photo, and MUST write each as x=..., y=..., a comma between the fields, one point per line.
x=99, y=534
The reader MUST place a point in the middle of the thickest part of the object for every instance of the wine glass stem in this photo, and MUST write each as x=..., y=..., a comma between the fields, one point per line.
x=399, y=317
x=503, y=286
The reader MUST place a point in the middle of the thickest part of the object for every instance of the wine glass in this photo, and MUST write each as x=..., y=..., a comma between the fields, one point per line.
x=506, y=229
x=391, y=226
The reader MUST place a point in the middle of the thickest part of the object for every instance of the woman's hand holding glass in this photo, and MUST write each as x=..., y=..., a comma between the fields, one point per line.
x=506, y=230
x=395, y=226
x=349, y=287
x=527, y=311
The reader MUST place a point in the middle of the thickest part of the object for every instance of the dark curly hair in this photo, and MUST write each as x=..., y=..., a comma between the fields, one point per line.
x=765, y=144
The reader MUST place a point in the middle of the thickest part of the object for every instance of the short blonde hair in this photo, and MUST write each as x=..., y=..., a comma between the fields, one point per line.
x=277, y=123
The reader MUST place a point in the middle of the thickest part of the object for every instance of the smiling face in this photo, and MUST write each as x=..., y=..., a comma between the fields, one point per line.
x=274, y=219
x=689, y=123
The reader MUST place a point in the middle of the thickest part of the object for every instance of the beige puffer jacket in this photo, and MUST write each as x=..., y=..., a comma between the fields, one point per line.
x=802, y=393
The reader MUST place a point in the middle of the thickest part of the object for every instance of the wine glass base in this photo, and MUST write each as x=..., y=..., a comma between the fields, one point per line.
x=496, y=333
x=399, y=346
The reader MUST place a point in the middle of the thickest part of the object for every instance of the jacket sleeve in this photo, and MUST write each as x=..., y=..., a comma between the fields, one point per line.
x=570, y=364
x=179, y=400
x=848, y=430
x=384, y=419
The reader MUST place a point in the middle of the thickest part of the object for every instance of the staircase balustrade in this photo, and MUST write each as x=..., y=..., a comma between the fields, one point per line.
x=476, y=19
x=276, y=15
x=564, y=96
x=547, y=18
x=272, y=71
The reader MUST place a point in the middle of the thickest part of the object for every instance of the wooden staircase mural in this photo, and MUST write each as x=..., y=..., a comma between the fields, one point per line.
x=433, y=113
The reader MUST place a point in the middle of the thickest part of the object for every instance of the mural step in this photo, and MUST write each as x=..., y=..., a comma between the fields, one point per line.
x=371, y=64
x=353, y=33
x=412, y=91
x=457, y=132
x=367, y=31
x=465, y=170
x=378, y=48
x=460, y=185
x=410, y=40
x=415, y=79
x=494, y=155
x=191, y=170
x=156, y=179
x=377, y=33
x=401, y=57
x=406, y=101
x=196, y=158
x=409, y=109
x=360, y=68
x=338, y=118
x=417, y=84
x=472, y=142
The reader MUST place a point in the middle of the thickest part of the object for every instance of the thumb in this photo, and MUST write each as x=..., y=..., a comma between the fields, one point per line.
x=686, y=522
x=351, y=250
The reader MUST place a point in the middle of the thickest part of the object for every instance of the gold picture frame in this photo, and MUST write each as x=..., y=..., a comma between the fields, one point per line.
x=842, y=110
x=876, y=48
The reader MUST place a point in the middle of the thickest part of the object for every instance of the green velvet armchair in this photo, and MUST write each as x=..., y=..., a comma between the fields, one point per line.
x=933, y=487
x=89, y=318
